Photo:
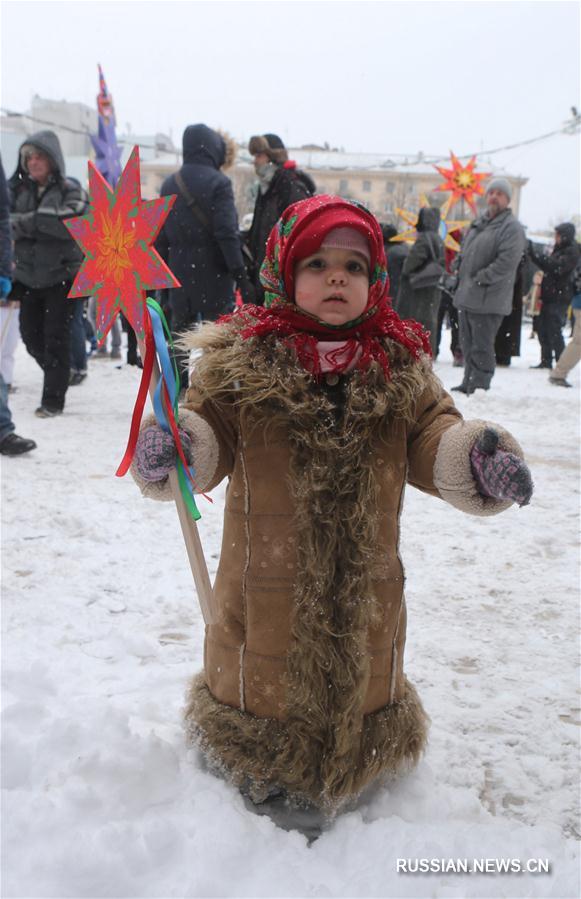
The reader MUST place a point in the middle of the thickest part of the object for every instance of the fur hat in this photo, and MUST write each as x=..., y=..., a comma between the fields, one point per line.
x=271, y=144
x=500, y=184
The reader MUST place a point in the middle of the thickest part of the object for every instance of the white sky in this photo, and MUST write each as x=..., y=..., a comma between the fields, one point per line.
x=368, y=76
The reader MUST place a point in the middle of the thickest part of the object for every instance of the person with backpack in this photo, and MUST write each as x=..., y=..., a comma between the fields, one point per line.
x=556, y=291
x=571, y=355
x=46, y=260
x=200, y=240
x=419, y=293
x=280, y=184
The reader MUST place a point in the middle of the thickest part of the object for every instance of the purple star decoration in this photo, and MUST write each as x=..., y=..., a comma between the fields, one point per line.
x=108, y=151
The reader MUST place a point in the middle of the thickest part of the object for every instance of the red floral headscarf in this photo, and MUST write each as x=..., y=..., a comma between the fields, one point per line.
x=299, y=233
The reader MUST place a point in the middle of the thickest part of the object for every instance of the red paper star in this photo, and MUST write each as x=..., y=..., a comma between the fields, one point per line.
x=463, y=181
x=115, y=235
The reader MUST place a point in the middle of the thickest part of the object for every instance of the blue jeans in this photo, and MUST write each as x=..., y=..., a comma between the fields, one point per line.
x=6, y=423
x=78, y=338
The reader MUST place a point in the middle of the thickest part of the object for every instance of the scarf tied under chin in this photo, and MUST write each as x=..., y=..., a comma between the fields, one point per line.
x=322, y=348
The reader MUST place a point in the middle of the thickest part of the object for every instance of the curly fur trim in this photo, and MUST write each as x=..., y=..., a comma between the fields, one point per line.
x=265, y=372
x=452, y=472
x=231, y=149
x=206, y=454
x=255, y=751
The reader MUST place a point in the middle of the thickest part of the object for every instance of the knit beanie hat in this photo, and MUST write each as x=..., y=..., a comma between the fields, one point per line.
x=271, y=144
x=347, y=239
x=500, y=184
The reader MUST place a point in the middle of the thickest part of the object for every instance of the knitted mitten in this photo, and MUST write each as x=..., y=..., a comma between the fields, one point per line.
x=155, y=452
x=498, y=474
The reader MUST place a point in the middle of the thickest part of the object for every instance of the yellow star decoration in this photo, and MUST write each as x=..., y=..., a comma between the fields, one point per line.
x=463, y=181
x=114, y=248
x=446, y=225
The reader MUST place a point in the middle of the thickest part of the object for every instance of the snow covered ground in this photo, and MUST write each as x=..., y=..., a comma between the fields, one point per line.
x=101, y=631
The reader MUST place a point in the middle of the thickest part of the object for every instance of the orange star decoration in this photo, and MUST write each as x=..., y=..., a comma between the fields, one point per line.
x=447, y=226
x=463, y=181
x=116, y=234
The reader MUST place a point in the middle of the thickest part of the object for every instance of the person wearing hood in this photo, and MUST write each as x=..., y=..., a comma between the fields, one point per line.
x=200, y=239
x=396, y=253
x=280, y=184
x=556, y=291
x=422, y=302
x=487, y=269
x=46, y=260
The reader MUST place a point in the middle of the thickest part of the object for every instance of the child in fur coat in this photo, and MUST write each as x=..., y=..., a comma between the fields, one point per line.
x=319, y=408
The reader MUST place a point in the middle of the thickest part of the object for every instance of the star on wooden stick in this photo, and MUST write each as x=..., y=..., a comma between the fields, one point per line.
x=116, y=235
x=463, y=181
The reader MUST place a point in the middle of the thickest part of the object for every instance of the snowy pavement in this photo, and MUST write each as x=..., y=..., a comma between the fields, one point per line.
x=101, y=632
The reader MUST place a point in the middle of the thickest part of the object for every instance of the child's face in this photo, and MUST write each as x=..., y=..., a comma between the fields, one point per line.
x=332, y=284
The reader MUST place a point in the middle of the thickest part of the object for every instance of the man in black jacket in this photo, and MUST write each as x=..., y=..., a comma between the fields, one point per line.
x=280, y=184
x=46, y=260
x=556, y=291
x=200, y=240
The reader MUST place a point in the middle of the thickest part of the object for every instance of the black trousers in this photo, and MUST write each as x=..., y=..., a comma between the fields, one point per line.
x=45, y=325
x=550, y=323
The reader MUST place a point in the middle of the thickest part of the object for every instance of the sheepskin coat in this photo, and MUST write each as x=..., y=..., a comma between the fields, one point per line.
x=303, y=684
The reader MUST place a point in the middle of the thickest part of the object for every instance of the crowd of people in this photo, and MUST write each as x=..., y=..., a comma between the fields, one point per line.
x=318, y=400
x=478, y=291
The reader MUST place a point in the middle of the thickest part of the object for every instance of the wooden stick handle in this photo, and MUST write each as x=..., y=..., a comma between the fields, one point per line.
x=189, y=528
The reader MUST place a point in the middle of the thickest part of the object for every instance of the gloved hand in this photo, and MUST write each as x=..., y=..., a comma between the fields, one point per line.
x=498, y=474
x=5, y=287
x=155, y=452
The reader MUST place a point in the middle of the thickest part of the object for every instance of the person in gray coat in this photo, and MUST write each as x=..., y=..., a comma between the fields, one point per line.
x=46, y=260
x=487, y=269
x=422, y=303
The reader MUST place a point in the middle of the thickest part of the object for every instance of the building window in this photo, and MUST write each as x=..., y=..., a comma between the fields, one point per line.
x=388, y=207
x=366, y=186
x=343, y=186
x=390, y=187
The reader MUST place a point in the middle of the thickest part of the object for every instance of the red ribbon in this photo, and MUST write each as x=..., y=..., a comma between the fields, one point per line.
x=141, y=398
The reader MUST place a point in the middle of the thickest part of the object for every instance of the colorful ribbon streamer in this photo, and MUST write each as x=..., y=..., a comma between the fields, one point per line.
x=165, y=402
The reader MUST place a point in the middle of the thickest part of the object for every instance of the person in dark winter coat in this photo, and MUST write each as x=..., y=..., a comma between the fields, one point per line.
x=507, y=342
x=396, y=254
x=422, y=303
x=556, y=291
x=200, y=240
x=46, y=259
x=11, y=444
x=488, y=263
x=447, y=306
x=280, y=185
